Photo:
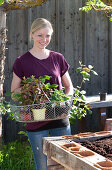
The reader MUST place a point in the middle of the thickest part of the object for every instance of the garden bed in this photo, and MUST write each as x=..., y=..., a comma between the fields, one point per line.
x=95, y=148
x=101, y=146
x=74, y=155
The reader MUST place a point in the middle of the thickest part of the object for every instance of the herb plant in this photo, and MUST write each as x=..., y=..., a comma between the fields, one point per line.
x=36, y=91
x=33, y=91
x=80, y=107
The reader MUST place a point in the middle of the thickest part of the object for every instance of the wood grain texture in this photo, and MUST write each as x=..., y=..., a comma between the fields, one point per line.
x=67, y=159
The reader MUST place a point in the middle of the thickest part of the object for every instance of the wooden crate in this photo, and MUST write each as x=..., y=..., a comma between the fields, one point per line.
x=58, y=157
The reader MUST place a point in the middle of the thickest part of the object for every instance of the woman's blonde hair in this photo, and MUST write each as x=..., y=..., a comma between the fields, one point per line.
x=40, y=23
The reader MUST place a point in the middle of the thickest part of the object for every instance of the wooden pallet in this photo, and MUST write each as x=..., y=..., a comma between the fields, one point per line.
x=68, y=161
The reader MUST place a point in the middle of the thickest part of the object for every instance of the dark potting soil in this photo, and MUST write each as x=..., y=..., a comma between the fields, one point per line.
x=102, y=146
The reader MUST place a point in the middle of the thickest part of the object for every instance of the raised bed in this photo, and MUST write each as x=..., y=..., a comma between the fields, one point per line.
x=69, y=152
x=100, y=146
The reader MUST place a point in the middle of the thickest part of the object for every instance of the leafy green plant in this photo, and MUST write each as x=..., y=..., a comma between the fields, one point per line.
x=1, y=2
x=36, y=91
x=16, y=155
x=80, y=107
x=5, y=109
x=30, y=88
x=99, y=5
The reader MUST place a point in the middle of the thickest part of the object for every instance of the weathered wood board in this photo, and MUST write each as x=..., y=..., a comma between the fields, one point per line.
x=52, y=148
x=95, y=102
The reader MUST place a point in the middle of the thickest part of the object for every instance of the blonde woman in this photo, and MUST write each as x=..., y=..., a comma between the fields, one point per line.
x=40, y=61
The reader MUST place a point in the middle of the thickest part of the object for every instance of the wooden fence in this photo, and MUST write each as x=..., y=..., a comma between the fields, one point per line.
x=79, y=36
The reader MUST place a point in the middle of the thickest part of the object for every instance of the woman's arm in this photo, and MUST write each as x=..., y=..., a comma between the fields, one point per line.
x=15, y=85
x=67, y=84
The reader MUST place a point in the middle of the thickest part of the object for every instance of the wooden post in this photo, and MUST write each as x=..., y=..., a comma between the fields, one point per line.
x=102, y=118
x=2, y=56
x=82, y=125
x=102, y=113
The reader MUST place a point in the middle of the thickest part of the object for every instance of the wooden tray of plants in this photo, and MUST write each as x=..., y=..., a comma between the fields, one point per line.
x=83, y=156
x=94, y=148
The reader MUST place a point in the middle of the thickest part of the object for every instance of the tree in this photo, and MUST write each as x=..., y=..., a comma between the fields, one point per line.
x=99, y=5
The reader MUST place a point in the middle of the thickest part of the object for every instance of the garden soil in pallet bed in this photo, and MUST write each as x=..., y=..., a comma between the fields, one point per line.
x=100, y=146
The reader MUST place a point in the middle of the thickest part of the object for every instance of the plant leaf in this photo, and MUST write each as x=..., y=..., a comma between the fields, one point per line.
x=8, y=93
x=1, y=2
x=94, y=72
x=90, y=67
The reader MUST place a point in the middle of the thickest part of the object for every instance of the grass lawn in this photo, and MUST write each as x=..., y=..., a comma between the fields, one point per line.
x=16, y=156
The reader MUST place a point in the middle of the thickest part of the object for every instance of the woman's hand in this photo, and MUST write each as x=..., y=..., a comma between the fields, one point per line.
x=15, y=86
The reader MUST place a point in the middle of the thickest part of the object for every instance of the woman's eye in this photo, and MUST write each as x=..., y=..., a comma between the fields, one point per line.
x=48, y=36
x=40, y=35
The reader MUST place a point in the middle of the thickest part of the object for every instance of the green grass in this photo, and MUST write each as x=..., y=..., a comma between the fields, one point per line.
x=16, y=156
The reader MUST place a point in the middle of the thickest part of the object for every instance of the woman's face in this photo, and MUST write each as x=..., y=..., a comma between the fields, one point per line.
x=42, y=37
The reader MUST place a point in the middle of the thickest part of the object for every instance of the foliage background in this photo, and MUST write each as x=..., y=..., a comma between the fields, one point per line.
x=16, y=155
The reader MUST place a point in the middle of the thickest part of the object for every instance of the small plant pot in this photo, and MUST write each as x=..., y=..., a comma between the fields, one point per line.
x=104, y=165
x=26, y=116
x=39, y=114
x=102, y=133
x=70, y=136
x=69, y=145
x=56, y=112
x=84, y=153
x=61, y=110
x=75, y=149
x=86, y=134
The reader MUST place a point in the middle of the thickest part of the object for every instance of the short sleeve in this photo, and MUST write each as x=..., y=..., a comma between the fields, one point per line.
x=64, y=66
x=17, y=68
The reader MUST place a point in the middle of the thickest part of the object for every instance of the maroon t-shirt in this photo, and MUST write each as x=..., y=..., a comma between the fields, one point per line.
x=54, y=66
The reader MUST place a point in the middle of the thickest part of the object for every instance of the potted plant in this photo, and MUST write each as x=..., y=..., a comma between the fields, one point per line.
x=31, y=93
x=60, y=104
x=99, y=5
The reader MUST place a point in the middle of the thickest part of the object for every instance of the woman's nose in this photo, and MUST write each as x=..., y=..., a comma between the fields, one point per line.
x=44, y=39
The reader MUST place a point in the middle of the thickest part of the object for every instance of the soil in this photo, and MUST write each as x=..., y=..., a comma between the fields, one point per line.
x=102, y=146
